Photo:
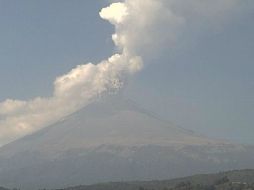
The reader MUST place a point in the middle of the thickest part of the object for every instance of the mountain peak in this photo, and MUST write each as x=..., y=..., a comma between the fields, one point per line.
x=113, y=139
x=110, y=120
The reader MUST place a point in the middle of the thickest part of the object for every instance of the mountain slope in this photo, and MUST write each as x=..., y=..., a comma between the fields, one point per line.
x=113, y=140
x=106, y=122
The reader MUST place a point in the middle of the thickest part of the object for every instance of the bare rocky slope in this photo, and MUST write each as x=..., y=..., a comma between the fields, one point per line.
x=114, y=140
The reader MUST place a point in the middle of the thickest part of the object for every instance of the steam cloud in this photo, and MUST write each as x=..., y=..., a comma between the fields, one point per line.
x=138, y=24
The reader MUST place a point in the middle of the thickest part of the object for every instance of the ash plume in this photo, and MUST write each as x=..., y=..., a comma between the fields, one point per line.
x=139, y=25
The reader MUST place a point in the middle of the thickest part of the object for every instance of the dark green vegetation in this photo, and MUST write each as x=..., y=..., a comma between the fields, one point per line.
x=2, y=188
x=232, y=180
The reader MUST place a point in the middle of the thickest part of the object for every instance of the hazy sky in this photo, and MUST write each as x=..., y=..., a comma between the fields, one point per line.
x=202, y=79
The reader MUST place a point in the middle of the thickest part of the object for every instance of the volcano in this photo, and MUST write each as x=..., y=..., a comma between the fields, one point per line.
x=113, y=139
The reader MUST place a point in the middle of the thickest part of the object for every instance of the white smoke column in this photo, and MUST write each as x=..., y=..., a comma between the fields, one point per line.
x=139, y=25
x=72, y=91
x=143, y=24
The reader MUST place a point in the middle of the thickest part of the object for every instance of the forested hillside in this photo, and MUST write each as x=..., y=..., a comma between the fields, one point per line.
x=232, y=180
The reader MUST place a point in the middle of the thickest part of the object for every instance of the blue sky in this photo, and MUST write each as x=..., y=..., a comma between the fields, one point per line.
x=205, y=82
x=41, y=40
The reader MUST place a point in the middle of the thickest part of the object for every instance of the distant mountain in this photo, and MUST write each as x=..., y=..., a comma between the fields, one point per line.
x=114, y=140
x=232, y=180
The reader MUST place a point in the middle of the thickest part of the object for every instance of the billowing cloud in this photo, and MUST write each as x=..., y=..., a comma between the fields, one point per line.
x=139, y=25
x=115, y=13
x=73, y=90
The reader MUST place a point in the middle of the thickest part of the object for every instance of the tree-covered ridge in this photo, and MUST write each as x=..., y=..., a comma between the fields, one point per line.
x=222, y=184
x=232, y=180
